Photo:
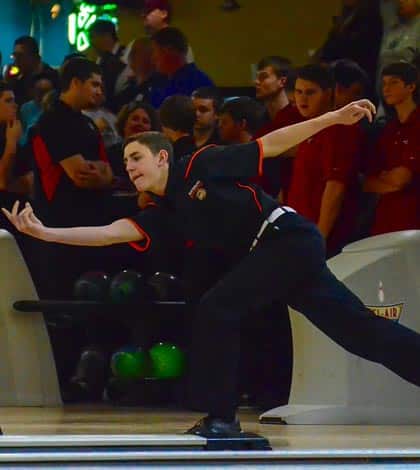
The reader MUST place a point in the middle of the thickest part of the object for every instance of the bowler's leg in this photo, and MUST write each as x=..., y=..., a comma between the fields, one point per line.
x=336, y=311
x=269, y=273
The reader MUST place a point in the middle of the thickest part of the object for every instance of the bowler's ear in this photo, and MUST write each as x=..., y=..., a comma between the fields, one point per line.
x=163, y=157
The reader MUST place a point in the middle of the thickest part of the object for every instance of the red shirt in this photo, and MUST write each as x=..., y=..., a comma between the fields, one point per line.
x=277, y=172
x=332, y=154
x=399, y=145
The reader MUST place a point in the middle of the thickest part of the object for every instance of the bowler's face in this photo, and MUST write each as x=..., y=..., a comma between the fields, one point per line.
x=141, y=165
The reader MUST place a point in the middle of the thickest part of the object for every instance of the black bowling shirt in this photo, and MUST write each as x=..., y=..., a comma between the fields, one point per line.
x=210, y=200
x=59, y=134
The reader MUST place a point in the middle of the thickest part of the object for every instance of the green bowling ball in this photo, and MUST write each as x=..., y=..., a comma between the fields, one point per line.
x=168, y=361
x=130, y=363
x=127, y=287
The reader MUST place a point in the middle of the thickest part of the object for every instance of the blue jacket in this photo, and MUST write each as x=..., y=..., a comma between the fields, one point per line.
x=184, y=82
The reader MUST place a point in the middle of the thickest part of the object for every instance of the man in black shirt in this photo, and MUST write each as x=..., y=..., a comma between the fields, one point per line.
x=103, y=36
x=72, y=176
x=29, y=64
x=280, y=257
x=207, y=102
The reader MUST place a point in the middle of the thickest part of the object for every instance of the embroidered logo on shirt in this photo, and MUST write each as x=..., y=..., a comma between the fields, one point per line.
x=198, y=191
x=201, y=194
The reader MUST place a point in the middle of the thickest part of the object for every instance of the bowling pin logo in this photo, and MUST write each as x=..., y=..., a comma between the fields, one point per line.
x=381, y=293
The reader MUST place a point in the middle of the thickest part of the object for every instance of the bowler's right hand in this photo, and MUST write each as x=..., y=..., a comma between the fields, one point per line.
x=25, y=221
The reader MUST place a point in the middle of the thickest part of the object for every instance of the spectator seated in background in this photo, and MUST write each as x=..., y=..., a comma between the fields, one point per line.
x=16, y=177
x=15, y=172
x=177, y=116
x=389, y=14
x=104, y=120
x=239, y=119
x=157, y=15
x=324, y=184
x=351, y=82
x=273, y=74
x=402, y=41
x=28, y=61
x=31, y=110
x=170, y=46
x=206, y=102
x=356, y=35
x=104, y=40
x=134, y=118
x=142, y=78
x=395, y=165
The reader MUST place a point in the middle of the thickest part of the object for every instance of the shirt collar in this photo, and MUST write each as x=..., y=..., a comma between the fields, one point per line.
x=414, y=116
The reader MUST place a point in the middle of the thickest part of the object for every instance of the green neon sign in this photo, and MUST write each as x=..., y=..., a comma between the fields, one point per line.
x=83, y=17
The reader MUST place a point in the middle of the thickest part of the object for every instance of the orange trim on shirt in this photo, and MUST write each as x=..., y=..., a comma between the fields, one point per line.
x=254, y=194
x=147, y=241
x=260, y=156
x=193, y=157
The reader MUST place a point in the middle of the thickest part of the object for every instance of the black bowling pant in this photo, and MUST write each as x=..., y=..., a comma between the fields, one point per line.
x=287, y=266
x=265, y=339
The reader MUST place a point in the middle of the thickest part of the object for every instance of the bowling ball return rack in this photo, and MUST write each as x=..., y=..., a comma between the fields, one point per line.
x=244, y=442
x=55, y=307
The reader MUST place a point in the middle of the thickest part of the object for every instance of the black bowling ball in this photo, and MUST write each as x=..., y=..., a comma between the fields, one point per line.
x=167, y=287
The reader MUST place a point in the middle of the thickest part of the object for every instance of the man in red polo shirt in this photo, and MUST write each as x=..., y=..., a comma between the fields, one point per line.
x=395, y=166
x=270, y=87
x=324, y=180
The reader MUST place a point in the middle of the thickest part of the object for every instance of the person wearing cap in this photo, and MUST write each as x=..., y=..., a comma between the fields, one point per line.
x=157, y=15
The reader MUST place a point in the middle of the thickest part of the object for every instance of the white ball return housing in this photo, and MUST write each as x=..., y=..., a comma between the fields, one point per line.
x=331, y=386
x=28, y=376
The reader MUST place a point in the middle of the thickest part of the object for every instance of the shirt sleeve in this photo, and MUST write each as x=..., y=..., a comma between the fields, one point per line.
x=243, y=161
x=154, y=224
x=342, y=154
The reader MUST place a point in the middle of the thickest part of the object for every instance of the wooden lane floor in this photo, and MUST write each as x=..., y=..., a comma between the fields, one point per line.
x=94, y=419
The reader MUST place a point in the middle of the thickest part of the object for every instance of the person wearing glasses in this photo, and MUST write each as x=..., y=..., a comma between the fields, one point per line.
x=27, y=63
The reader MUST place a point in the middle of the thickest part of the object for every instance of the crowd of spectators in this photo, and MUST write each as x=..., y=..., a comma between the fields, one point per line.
x=62, y=131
